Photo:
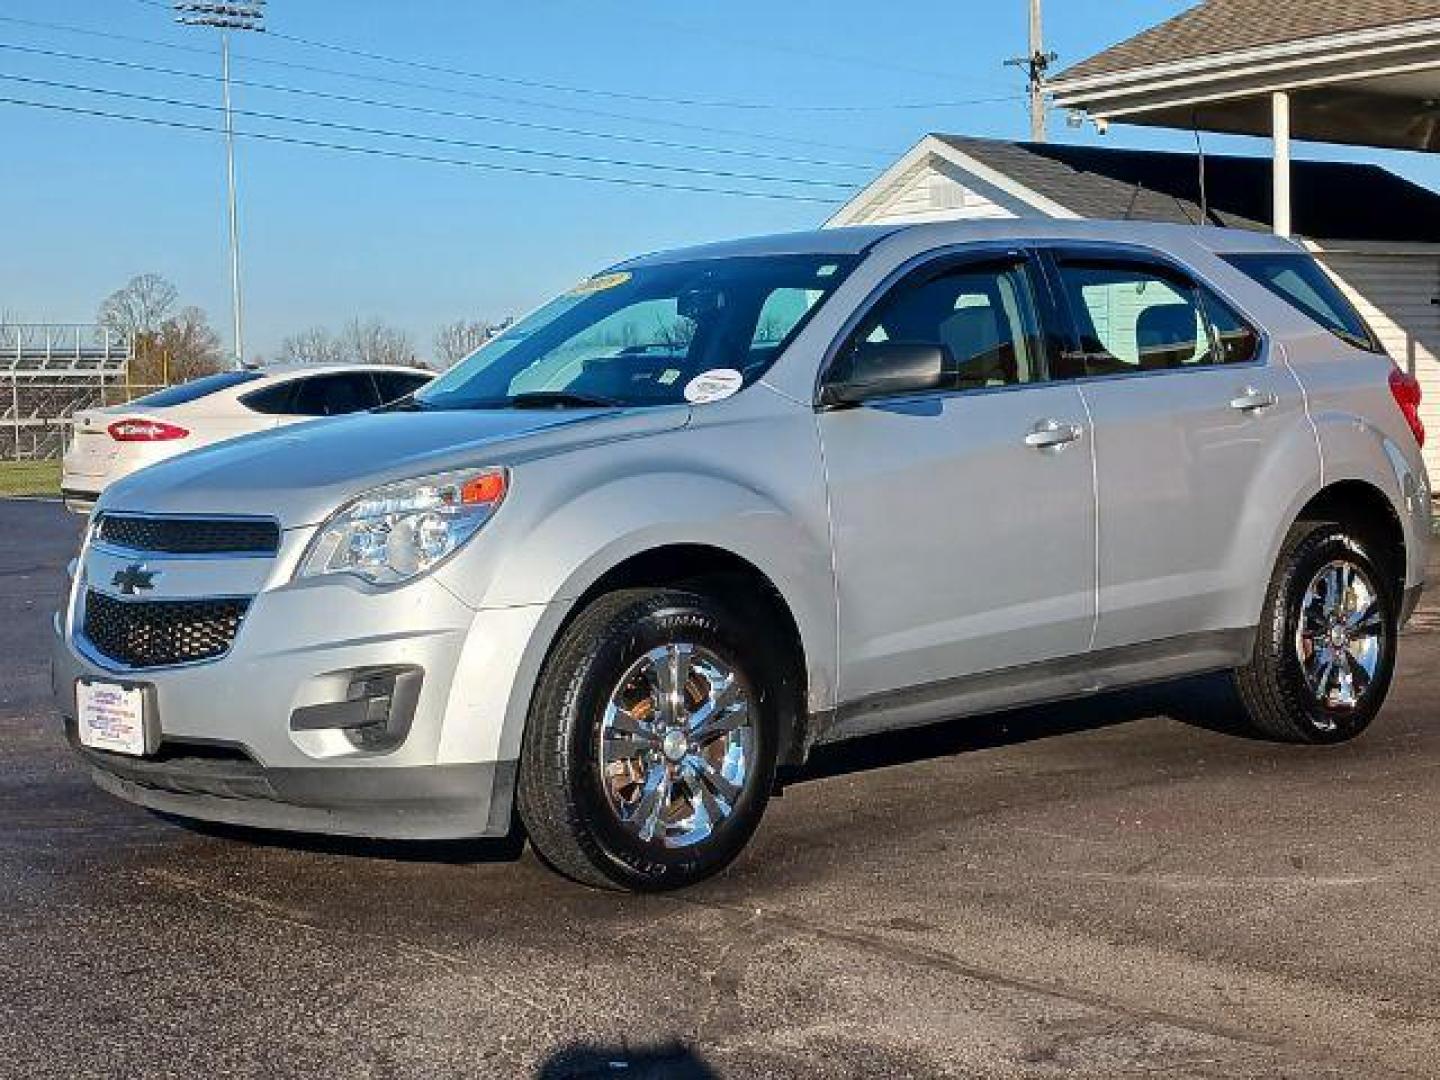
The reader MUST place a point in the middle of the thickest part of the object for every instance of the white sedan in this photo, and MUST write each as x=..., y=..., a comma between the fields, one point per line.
x=113, y=442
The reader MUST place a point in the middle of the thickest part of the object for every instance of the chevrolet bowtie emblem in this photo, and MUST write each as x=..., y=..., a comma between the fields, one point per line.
x=134, y=578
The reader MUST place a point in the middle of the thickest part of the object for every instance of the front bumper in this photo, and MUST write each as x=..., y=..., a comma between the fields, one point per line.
x=434, y=802
x=231, y=750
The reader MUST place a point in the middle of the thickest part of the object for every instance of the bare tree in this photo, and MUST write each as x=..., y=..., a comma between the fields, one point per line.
x=313, y=346
x=190, y=345
x=372, y=342
x=181, y=348
x=459, y=339
x=140, y=307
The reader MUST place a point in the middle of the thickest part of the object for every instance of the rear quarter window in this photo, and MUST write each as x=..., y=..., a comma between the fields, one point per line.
x=1303, y=282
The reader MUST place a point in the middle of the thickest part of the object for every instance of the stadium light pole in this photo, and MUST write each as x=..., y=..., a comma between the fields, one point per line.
x=228, y=17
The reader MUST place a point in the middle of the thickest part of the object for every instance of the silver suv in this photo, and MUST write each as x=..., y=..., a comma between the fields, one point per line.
x=616, y=573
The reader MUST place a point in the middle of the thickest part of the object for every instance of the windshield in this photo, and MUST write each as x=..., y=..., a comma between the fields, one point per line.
x=661, y=335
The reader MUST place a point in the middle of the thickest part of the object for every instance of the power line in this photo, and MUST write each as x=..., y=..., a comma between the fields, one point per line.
x=423, y=110
x=849, y=60
x=373, y=151
x=579, y=110
x=387, y=133
x=567, y=88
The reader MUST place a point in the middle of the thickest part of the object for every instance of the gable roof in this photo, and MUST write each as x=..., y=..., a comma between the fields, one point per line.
x=1226, y=26
x=1331, y=200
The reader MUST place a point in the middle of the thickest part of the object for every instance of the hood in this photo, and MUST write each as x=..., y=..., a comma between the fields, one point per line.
x=303, y=473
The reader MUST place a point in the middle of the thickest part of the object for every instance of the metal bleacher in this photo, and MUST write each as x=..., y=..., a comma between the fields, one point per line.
x=50, y=371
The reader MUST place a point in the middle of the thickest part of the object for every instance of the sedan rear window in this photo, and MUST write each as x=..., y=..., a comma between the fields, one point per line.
x=1305, y=284
x=197, y=388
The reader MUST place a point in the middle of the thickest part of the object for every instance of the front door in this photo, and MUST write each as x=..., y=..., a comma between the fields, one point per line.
x=963, y=519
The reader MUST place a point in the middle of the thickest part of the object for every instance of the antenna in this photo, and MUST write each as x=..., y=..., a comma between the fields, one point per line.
x=1200, y=151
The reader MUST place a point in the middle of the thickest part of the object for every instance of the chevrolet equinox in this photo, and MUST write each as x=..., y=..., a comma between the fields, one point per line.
x=610, y=576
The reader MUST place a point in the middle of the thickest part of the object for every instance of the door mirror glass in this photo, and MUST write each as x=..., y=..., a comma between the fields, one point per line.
x=890, y=368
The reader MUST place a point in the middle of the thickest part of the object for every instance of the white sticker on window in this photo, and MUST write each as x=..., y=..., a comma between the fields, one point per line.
x=714, y=385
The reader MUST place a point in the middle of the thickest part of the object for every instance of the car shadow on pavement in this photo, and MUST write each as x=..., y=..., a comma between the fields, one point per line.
x=1206, y=701
x=453, y=852
x=582, y=1062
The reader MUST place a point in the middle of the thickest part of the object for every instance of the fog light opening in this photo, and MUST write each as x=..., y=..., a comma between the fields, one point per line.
x=377, y=711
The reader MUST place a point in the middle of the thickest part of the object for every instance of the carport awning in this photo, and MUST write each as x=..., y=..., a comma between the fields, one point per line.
x=1365, y=73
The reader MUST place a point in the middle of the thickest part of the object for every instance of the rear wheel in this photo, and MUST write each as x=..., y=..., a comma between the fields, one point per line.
x=1325, y=653
x=650, y=750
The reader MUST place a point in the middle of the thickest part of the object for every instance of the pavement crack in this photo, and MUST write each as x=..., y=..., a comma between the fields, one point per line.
x=941, y=961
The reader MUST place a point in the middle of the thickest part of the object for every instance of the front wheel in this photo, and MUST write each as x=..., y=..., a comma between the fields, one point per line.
x=1325, y=653
x=650, y=750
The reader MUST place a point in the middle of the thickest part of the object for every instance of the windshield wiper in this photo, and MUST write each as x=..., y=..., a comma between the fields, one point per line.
x=408, y=403
x=561, y=399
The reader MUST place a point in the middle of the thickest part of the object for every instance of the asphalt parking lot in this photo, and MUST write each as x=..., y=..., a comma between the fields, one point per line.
x=1109, y=890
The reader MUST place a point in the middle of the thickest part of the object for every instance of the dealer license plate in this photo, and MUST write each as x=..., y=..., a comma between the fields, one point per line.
x=111, y=717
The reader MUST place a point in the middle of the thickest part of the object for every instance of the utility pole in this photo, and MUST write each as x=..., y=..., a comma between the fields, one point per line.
x=1036, y=65
x=228, y=17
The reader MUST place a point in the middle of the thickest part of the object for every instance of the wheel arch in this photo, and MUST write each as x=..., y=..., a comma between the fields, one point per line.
x=734, y=579
x=737, y=583
x=1364, y=509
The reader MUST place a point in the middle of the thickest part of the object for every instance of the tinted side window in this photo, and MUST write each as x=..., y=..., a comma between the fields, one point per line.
x=334, y=395
x=1132, y=318
x=983, y=317
x=393, y=385
x=272, y=400
x=1303, y=282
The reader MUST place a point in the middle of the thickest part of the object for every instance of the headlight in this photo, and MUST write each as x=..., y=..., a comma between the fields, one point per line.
x=402, y=530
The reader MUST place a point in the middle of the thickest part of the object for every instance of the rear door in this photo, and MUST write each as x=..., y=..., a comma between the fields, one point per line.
x=1184, y=397
x=963, y=519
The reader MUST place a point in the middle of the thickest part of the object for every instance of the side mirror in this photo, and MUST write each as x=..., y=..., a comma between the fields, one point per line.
x=888, y=369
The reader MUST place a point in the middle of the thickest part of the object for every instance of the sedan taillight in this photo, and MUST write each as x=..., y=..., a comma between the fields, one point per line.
x=1406, y=391
x=145, y=431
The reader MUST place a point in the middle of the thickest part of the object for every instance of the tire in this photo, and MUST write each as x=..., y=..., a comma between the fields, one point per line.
x=614, y=791
x=1294, y=688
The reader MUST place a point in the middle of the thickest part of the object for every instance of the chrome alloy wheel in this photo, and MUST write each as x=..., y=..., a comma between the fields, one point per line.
x=677, y=743
x=1340, y=639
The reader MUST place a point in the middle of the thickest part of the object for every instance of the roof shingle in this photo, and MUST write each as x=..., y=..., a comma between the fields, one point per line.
x=1331, y=200
x=1224, y=26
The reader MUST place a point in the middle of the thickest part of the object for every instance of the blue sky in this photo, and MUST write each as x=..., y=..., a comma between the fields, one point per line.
x=87, y=202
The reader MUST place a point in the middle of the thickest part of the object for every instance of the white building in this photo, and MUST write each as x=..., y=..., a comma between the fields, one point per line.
x=1378, y=233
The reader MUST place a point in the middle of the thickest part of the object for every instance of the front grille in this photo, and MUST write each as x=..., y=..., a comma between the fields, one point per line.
x=190, y=536
x=157, y=633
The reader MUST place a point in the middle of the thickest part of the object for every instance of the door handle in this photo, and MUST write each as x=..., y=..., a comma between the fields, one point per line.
x=1252, y=400
x=1052, y=434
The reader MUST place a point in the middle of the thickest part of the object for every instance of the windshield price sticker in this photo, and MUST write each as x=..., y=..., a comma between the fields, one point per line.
x=601, y=283
x=716, y=385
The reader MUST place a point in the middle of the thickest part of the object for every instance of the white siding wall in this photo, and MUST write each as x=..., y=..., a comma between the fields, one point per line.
x=927, y=193
x=1396, y=294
